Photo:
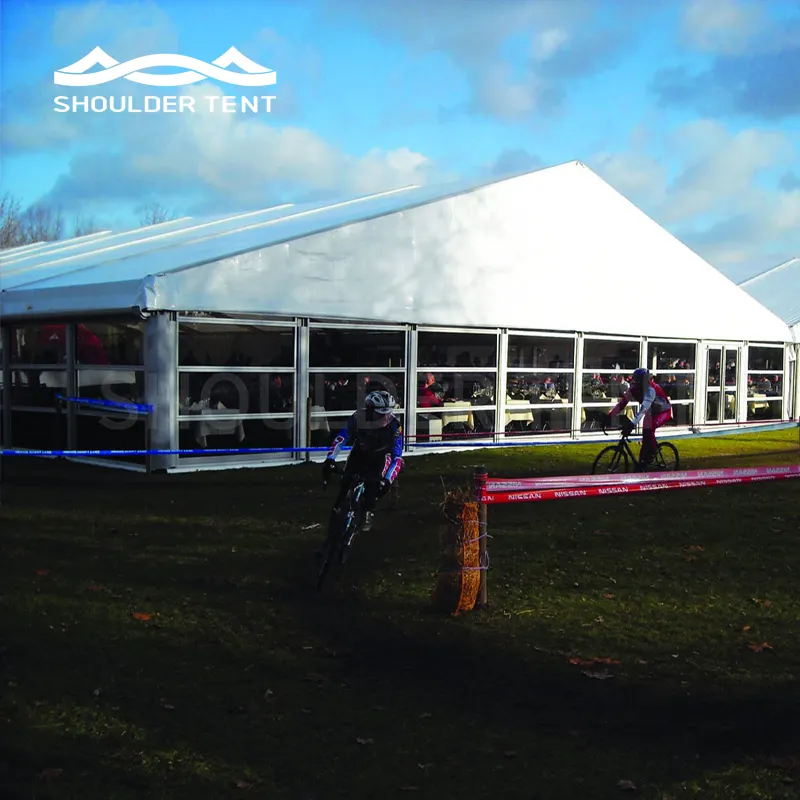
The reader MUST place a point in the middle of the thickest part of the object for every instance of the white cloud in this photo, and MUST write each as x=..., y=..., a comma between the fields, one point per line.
x=722, y=26
x=764, y=233
x=469, y=31
x=497, y=92
x=548, y=42
x=472, y=34
x=636, y=175
x=227, y=160
x=718, y=200
x=720, y=168
x=123, y=30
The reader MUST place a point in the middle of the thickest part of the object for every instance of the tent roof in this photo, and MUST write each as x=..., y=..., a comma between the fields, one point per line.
x=779, y=290
x=553, y=249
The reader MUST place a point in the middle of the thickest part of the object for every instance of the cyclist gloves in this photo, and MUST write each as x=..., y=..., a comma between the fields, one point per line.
x=328, y=467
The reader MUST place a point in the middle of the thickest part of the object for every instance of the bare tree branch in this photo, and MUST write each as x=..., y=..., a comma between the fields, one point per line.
x=154, y=214
x=11, y=231
x=42, y=223
x=83, y=226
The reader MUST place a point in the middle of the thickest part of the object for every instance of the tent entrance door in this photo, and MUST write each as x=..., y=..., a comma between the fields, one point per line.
x=723, y=382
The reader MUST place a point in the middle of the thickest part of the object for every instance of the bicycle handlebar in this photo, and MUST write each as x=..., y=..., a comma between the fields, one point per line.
x=336, y=469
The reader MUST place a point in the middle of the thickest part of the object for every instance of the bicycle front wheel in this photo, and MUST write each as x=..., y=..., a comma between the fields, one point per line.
x=667, y=457
x=610, y=461
x=332, y=547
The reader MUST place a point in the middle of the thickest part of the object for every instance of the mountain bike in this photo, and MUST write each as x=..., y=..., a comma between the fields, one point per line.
x=345, y=525
x=617, y=458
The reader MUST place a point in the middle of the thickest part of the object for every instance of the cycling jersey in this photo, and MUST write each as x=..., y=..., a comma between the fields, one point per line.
x=372, y=444
x=654, y=401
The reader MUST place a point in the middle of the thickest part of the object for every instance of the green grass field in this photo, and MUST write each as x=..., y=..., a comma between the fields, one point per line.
x=161, y=638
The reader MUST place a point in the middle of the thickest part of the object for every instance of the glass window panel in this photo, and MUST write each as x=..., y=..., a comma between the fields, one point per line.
x=540, y=352
x=335, y=347
x=345, y=391
x=32, y=344
x=38, y=344
x=217, y=345
x=714, y=367
x=592, y=417
x=536, y=387
x=682, y=414
x=764, y=408
x=449, y=386
x=712, y=406
x=97, y=430
x=236, y=392
x=731, y=367
x=115, y=386
x=730, y=404
x=765, y=358
x=456, y=349
x=34, y=387
x=458, y=420
x=678, y=386
x=118, y=343
x=662, y=356
x=537, y=420
x=597, y=387
x=234, y=434
x=38, y=430
x=610, y=354
x=765, y=383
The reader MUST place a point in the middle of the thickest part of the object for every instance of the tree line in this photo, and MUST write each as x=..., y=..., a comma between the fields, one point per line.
x=45, y=223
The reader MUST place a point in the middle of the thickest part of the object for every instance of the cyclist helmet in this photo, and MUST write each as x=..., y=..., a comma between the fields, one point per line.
x=642, y=375
x=379, y=405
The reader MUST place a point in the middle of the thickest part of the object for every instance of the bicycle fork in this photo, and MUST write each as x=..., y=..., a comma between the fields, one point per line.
x=351, y=528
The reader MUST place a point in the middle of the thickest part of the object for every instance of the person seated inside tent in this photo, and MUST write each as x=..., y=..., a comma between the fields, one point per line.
x=427, y=396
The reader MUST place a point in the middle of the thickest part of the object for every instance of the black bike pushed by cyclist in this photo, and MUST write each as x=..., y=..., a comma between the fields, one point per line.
x=346, y=522
x=618, y=458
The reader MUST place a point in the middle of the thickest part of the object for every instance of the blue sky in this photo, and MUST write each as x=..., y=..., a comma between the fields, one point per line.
x=688, y=107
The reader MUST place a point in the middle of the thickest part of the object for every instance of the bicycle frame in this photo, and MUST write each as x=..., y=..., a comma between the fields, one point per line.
x=341, y=536
x=623, y=447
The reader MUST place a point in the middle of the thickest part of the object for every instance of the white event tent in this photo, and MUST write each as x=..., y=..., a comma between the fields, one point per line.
x=778, y=289
x=523, y=301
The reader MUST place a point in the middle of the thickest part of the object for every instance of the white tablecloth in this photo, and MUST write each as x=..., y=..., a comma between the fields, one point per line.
x=204, y=428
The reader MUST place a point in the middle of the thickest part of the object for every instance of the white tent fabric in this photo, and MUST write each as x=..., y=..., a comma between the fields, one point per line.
x=779, y=290
x=555, y=249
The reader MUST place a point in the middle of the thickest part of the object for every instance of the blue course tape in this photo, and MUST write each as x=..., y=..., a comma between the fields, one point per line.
x=204, y=451
x=140, y=407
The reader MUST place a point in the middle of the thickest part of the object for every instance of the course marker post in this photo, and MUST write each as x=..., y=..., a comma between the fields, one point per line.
x=480, y=477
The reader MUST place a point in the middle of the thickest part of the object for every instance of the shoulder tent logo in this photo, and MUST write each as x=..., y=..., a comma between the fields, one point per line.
x=77, y=74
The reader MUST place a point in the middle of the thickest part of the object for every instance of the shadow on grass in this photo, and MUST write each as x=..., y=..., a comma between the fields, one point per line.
x=283, y=704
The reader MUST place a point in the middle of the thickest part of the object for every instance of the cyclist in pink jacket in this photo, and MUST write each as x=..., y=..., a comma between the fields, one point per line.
x=654, y=407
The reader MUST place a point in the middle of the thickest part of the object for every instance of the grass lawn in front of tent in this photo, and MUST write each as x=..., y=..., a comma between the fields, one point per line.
x=161, y=637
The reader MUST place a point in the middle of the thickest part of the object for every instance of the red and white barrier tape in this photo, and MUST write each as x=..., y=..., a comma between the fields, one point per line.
x=562, y=481
x=598, y=485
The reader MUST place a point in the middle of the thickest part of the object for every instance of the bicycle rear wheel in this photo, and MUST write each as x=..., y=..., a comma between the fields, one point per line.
x=667, y=457
x=610, y=461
